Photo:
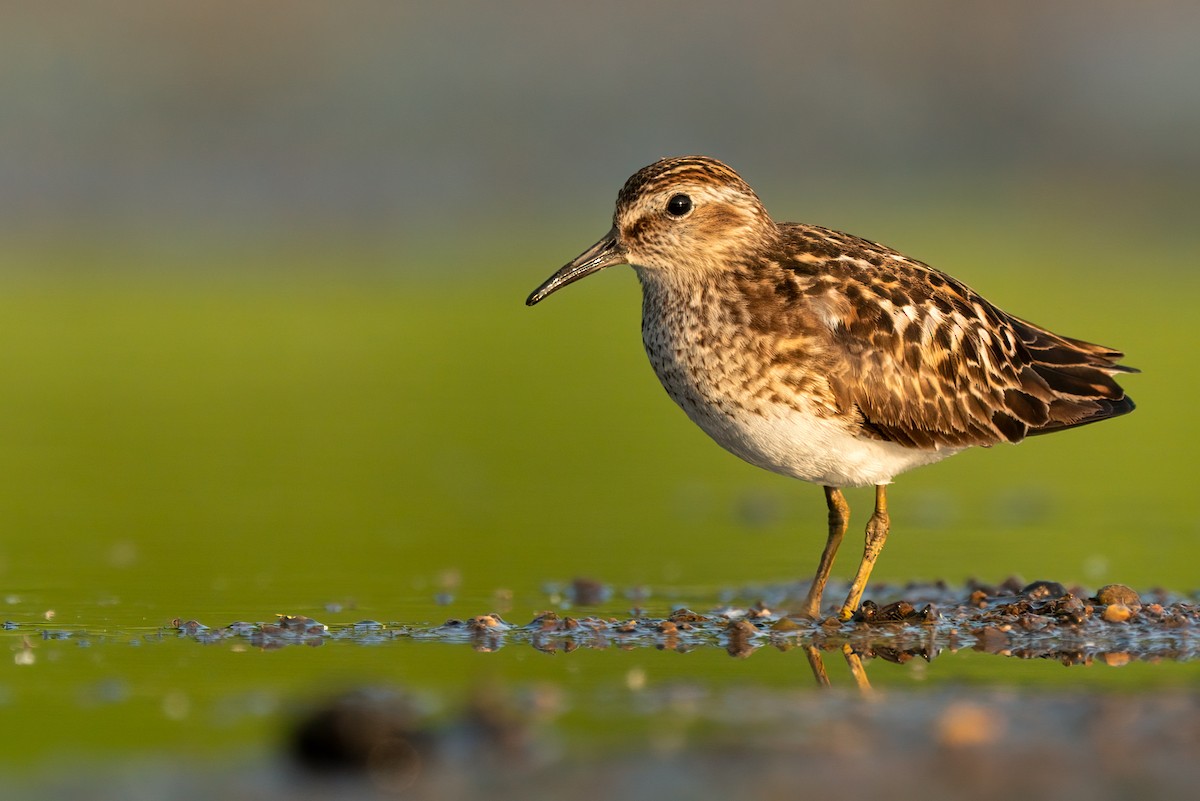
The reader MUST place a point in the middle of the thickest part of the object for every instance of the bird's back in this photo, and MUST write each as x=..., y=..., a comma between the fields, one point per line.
x=923, y=360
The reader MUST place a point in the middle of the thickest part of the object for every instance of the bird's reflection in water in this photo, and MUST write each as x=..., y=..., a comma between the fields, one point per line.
x=853, y=661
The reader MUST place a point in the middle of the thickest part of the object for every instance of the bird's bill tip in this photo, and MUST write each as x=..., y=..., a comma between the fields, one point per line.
x=604, y=253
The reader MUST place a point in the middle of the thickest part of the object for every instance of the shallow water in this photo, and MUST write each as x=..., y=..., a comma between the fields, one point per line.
x=234, y=453
x=115, y=689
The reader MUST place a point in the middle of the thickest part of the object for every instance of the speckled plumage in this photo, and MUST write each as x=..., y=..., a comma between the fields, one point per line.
x=824, y=356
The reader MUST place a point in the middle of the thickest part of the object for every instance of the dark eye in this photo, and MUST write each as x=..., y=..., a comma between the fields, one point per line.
x=679, y=205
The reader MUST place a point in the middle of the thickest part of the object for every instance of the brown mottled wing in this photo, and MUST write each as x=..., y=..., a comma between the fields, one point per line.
x=924, y=361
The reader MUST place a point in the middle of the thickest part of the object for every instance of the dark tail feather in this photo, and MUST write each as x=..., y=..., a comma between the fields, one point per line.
x=1072, y=415
x=1081, y=376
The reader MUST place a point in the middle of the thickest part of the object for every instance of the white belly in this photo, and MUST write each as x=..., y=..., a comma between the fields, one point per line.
x=808, y=447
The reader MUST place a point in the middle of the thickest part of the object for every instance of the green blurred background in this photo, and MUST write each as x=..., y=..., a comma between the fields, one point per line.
x=262, y=271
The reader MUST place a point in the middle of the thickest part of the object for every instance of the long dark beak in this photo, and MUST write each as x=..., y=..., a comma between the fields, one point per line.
x=604, y=253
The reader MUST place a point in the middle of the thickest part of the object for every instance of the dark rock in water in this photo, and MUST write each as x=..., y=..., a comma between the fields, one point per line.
x=896, y=612
x=738, y=638
x=1042, y=590
x=550, y=621
x=375, y=733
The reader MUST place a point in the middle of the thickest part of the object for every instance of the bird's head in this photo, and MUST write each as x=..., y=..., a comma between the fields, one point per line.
x=682, y=216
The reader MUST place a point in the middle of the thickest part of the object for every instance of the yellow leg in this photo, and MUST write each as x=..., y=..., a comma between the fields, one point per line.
x=839, y=518
x=817, y=664
x=877, y=531
x=857, y=670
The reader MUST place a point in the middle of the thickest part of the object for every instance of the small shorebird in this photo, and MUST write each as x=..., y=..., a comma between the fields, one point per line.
x=826, y=357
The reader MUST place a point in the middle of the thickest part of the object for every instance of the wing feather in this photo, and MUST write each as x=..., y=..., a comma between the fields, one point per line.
x=924, y=361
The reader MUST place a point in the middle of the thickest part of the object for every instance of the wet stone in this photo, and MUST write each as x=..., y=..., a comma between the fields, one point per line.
x=740, y=635
x=1118, y=594
x=1041, y=590
x=300, y=624
x=486, y=623
x=550, y=621
x=1021, y=607
x=895, y=612
x=1117, y=613
x=899, y=611
x=188, y=626
x=867, y=612
x=686, y=616
x=1067, y=609
x=758, y=610
x=1174, y=620
x=1034, y=622
x=1073, y=628
x=744, y=627
x=546, y=621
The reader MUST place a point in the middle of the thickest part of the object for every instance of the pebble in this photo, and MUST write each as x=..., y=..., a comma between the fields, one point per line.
x=1118, y=594
x=1117, y=613
x=485, y=622
x=1043, y=590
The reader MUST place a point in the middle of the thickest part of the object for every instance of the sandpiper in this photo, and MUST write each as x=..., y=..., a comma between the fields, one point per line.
x=827, y=357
